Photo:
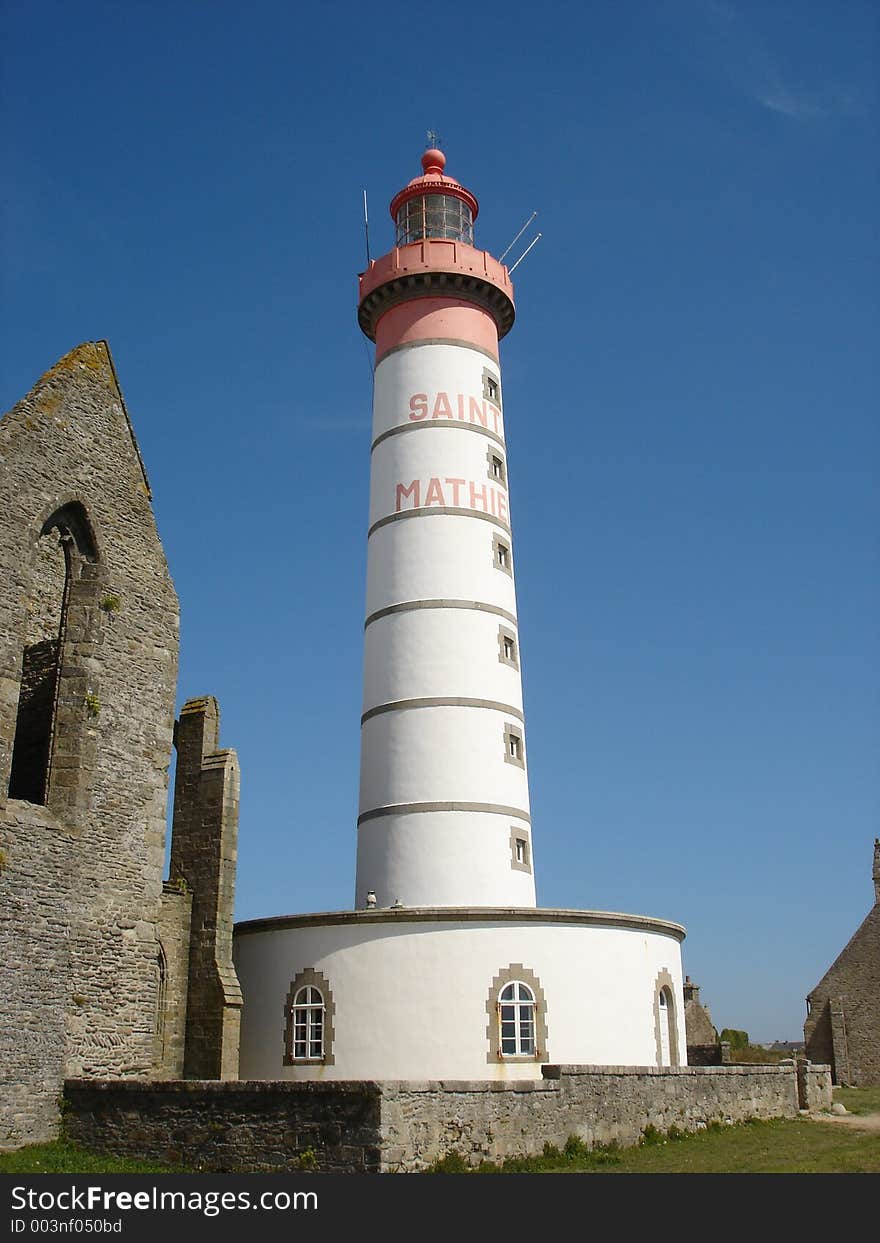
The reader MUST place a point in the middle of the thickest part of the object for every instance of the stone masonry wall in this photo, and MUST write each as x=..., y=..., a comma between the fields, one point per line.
x=226, y=1127
x=814, y=1086
x=400, y=1126
x=598, y=1104
x=36, y=889
x=81, y=876
x=708, y=1054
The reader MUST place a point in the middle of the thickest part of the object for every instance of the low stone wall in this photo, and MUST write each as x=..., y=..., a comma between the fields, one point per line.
x=708, y=1054
x=598, y=1104
x=227, y=1127
x=367, y=1127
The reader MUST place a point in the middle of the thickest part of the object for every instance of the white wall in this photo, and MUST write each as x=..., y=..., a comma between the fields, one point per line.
x=454, y=753
x=440, y=754
x=426, y=369
x=411, y=998
x=444, y=557
x=467, y=852
x=443, y=648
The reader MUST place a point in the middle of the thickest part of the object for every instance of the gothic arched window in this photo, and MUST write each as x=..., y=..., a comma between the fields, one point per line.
x=66, y=541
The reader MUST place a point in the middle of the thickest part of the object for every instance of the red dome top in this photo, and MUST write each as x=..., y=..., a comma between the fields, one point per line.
x=433, y=181
x=433, y=161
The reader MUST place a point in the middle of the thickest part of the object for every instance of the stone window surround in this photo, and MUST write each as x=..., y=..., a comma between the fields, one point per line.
x=512, y=974
x=512, y=732
x=519, y=834
x=507, y=565
x=504, y=659
x=69, y=518
x=665, y=981
x=488, y=375
x=160, y=1024
x=315, y=979
x=492, y=456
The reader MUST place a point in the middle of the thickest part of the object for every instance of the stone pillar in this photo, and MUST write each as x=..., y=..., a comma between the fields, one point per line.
x=174, y=931
x=203, y=859
x=839, y=1042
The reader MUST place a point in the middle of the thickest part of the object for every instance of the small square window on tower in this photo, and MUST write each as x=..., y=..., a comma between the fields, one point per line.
x=501, y=558
x=491, y=387
x=507, y=647
x=520, y=851
x=514, y=751
x=497, y=471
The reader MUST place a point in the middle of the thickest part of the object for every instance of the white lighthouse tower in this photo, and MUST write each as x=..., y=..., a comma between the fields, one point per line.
x=444, y=803
x=446, y=968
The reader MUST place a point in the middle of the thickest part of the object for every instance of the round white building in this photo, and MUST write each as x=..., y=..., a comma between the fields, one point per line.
x=446, y=968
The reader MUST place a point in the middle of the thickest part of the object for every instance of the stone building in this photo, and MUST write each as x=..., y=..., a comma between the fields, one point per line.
x=104, y=969
x=698, y=1023
x=703, y=1045
x=843, y=1010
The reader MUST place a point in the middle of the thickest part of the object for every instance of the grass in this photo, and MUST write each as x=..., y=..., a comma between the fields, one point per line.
x=63, y=1157
x=781, y=1146
x=794, y=1146
x=859, y=1100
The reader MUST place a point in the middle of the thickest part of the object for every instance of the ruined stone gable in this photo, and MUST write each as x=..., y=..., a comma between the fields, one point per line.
x=843, y=1019
x=88, y=666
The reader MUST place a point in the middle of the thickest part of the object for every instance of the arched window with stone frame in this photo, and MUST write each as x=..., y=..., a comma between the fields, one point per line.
x=56, y=700
x=665, y=1020
x=309, y=1020
x=517, y=1012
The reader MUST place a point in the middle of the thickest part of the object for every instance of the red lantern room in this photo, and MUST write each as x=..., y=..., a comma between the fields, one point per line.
x=434, y=205
x=433, y=257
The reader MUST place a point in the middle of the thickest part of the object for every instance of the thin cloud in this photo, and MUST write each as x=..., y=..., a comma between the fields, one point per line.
x=780, y=99
x=739, y=52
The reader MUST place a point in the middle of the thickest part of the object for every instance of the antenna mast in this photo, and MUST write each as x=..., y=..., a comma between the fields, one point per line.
x=532, y=243
x=518, y=236
x=367, y=229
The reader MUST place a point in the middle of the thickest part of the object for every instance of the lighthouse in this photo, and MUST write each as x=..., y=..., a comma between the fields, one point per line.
x=446, y=968
x=444, y=805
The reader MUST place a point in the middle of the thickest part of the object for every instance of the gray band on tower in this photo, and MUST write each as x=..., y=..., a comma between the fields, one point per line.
x=409, y=809
x=442, y=423
x=441, y=701
x=431, y=511
x=477, y=605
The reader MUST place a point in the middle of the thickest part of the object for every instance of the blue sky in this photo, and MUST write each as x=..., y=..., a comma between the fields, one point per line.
x=691, y=395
